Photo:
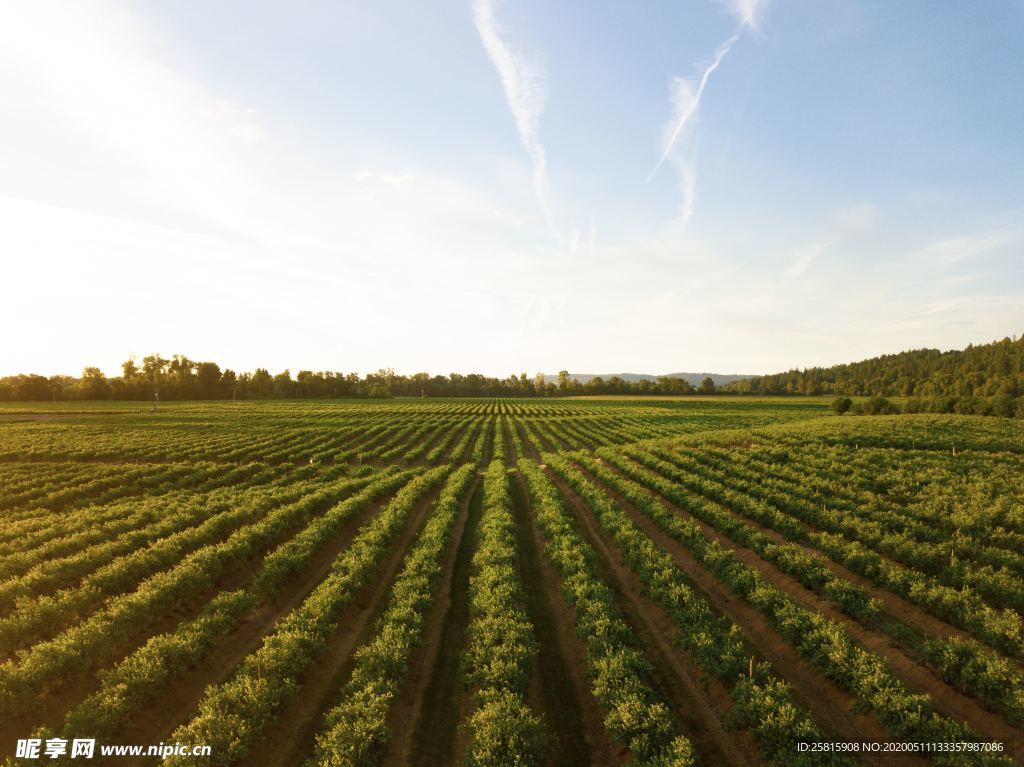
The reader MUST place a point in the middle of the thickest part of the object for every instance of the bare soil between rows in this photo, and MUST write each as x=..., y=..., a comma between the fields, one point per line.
x=698, y=703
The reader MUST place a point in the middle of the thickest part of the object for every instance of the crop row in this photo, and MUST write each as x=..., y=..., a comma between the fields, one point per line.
x=762, y=703
x=42, y=666
x=820, y=640
x=500, y=641
x=634, y=713
x=354, y=732
x=232, y=715
x=145, y=674
x=810, y=525
x=991, y=679
x=954, y=558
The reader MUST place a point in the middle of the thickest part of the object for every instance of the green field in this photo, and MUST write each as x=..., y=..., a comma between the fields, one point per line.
x=719, y=580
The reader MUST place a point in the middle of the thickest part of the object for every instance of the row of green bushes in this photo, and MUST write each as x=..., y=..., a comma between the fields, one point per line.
x=42, y=667
x=992, y=679
x=1002, y=405
x=500, y=641
x=839, y=536
x=634, y=713
x=231, y=715
x=763, y=704
x=354, y=732
x=825, y=644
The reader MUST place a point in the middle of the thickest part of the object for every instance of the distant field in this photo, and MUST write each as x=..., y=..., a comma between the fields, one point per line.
x=557, y=582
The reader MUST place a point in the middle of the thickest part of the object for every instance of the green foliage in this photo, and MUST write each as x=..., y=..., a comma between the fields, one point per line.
x=841, y=405
x=354, y=732
x=634, y=714
x=716, y=645
x=500, y=642
x=231, y=715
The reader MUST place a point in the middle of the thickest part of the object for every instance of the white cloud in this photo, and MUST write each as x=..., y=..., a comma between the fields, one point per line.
x=389, y=179
x=685, y=97
x=805, y=256
x=526, y=92
x=859, y=217
x=954, y=249
x=748, y=12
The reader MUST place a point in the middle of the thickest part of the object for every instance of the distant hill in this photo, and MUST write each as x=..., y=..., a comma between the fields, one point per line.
x=693, y=378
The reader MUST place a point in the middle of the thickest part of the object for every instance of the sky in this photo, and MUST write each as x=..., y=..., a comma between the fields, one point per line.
x=499, y=186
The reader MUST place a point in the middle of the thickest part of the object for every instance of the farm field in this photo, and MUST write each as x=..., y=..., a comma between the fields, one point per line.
x=715, y=581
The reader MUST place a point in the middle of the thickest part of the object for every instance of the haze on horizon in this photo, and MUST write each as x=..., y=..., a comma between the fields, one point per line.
x=495, y=187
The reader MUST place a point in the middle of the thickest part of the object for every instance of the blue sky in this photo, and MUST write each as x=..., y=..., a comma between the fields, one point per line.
x=467, y=186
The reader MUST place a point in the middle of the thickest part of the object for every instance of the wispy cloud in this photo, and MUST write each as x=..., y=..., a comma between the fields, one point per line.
x=686, y=101
x=391, y=179
x=526, y=91
x=954, y=249
x=805, y=256
x=747, y=12
x=686, y=96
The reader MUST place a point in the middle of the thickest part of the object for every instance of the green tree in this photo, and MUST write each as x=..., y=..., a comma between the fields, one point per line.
x=841, y=405
x=284, y=386
x=208, y=378
x=94, y=384
x=261, y=384
x=707, y=386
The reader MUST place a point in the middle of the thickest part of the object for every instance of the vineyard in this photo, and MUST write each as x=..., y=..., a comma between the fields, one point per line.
x=512, y=582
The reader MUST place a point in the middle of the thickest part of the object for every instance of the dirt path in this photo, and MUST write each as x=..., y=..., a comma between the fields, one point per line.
x=411, y=701
x=543, y=441
x=434, y=737
x=528, y=446
x=559, y=687
x=508, y=444
x=698, y=703
x=831, y=706
x=290, y=740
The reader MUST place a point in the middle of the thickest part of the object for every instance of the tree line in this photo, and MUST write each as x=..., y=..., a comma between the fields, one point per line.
x=987, y=379
x=180, y=378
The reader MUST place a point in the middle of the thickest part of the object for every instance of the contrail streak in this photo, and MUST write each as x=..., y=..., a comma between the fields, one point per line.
x=690, y=109
x=525, y=93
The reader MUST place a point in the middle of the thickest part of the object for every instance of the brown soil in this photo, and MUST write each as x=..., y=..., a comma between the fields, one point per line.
x=508, y=444
x=528, y=446
x=559, y=683
x=948, y=700
x=411, y=699
x=698, y=702
x=831, y=705
x=290, y=740
x=51, y=707
x=434, y=737
x=180, y=699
